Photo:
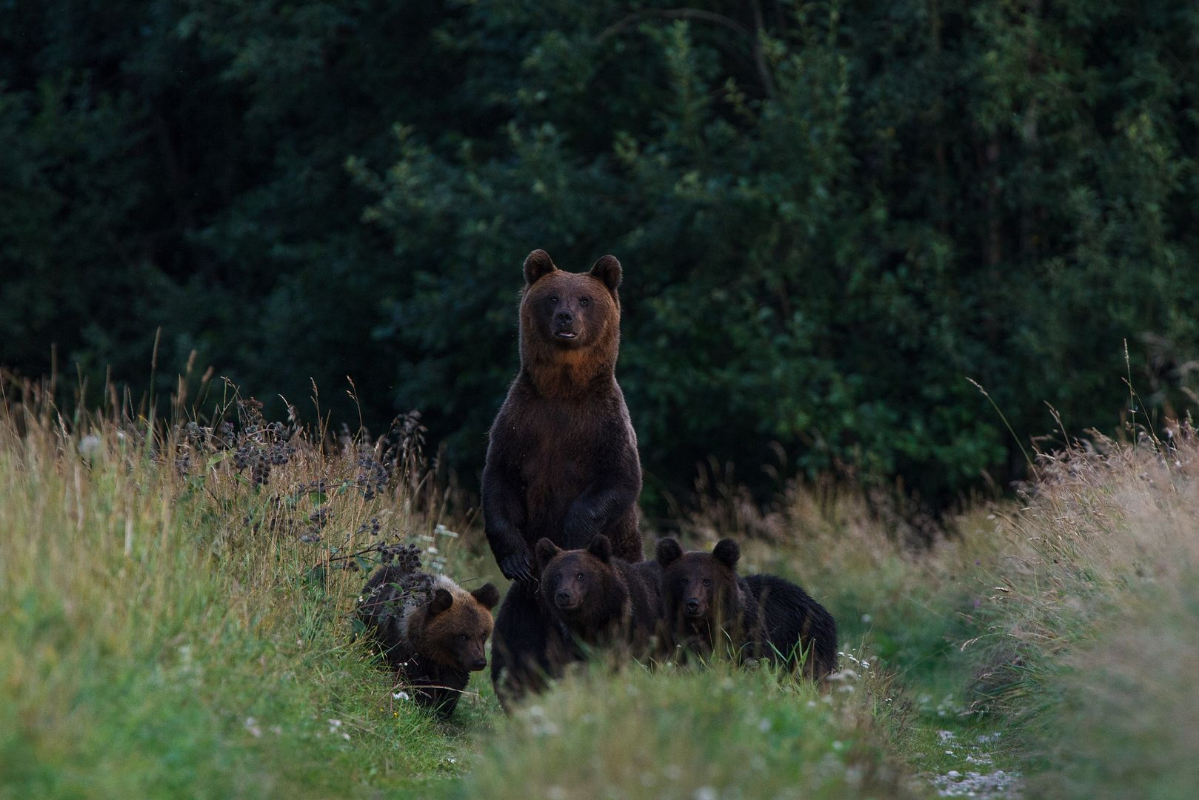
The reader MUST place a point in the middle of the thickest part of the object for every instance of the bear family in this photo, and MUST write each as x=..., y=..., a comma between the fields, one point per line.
x=562, y=458
x=429, y=629
x=707, y=604
x=597, y=600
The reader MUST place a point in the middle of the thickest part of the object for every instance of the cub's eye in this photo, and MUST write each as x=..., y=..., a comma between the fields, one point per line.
x=553, y=299
x=462, y=637
x=579, y=576
x=584, y=301
x=707, y=582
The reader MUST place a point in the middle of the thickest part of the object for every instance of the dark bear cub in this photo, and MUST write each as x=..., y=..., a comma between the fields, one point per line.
x=429, y=629
x=706, y=604
x=599, y=600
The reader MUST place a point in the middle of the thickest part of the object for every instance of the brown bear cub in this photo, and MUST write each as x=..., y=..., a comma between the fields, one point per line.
x=597, y=600
x=759, y=616
x=429, y=629
x=562, y=456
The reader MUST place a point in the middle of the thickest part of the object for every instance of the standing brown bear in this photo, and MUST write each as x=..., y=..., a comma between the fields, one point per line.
x=562, y=459
x=706, y=603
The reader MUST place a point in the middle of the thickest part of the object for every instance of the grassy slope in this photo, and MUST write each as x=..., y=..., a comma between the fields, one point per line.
x=164, y=637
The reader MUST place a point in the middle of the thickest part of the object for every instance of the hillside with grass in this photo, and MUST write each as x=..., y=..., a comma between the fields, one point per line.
x=178, y=603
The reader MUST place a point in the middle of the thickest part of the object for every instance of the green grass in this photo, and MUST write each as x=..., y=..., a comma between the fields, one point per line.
x=718, y=732
x=165, y=635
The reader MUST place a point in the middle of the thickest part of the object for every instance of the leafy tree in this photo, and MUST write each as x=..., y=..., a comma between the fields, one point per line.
x=831, y=214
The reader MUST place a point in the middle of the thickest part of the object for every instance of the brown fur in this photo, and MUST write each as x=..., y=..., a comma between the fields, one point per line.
x=708, y=605
x=433, y=641
x=562, y=457
x=599, y=600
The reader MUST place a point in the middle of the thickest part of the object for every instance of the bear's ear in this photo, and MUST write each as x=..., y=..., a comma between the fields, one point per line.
x=607, y=269
x=537, y=266
x=441, y=601
x=600, y=547
x=668, y=552
x=545, y=552
x=727, y=552
x=487, y=595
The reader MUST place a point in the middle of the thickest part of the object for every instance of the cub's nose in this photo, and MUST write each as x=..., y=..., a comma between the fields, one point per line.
x=479, y=663
x=562, y=598
x=691, y=607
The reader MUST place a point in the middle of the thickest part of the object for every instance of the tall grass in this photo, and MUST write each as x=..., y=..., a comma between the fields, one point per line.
x=1091, y=648
x=174, y=603
x=177, y=603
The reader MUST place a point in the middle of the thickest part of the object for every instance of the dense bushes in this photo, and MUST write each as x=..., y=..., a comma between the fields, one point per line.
x=830, y=215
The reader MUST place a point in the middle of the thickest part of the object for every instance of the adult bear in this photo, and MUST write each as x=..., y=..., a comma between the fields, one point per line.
x=562, y=458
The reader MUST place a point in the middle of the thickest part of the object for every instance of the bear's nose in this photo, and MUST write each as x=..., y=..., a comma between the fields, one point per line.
x=479, y=663
x=692, y=606
x=564, y=317
x=562, y=598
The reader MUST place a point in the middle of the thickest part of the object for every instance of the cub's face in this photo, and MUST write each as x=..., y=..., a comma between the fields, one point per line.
x=456, y=628
x=573, y=580
x=568, y=581
x=695, y=586
x=572, y=311
x=698, y=587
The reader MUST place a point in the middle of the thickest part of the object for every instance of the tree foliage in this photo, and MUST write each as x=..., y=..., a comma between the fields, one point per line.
x=830, y=214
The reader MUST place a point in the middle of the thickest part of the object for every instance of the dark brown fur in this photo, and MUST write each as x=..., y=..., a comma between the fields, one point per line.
x=599, y=600
x=562, y=457
x=707, y=604
x=433, y=641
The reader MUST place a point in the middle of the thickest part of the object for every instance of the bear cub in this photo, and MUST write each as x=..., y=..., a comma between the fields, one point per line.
x=429, y=629
x=759, y=616
x=599, y=600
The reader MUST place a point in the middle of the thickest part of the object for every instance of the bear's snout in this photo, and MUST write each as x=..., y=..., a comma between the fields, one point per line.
x=564, y=599
x=692, y=607
x=564, y=325
x=478, y=664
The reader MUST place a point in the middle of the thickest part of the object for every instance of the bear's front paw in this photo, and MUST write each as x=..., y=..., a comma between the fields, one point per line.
x=517, y=567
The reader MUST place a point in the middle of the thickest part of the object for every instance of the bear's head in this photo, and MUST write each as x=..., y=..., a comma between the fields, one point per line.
x=582, y=587
x=455, y=625
x=700, y=590
x=570, y=319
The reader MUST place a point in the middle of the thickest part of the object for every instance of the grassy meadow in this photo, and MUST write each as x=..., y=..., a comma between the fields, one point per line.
x=177, y=607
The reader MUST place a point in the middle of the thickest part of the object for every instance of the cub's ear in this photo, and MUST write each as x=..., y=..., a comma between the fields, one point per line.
x=727, y=552
x=600, y=547
x=487, y=595
x=441, y=601
x=607, y=269
x=538, y=265
x=668, y=552
x=545, y=552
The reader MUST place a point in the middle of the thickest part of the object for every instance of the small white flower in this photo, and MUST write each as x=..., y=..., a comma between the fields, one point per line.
x=400, y=696
x=252, y=727
x=764, y=725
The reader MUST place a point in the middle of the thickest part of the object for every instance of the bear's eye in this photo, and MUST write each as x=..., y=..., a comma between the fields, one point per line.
x=553, y=299
x=707, y=582
x=579, y=576
x=462, y=637
x=584, y=301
